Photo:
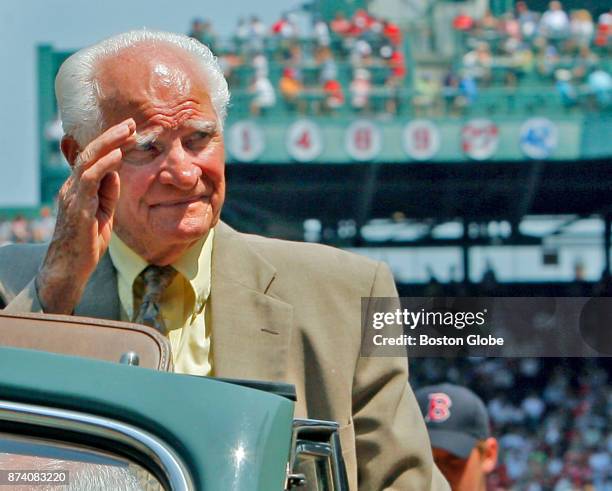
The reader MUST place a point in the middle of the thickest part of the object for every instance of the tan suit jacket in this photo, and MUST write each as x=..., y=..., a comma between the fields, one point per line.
x=291, y=312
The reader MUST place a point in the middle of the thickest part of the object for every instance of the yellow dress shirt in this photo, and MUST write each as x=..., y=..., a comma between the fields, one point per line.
x=183, y=304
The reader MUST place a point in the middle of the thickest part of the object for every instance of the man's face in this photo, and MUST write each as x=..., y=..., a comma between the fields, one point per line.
x=463, y=474
x=172, y=176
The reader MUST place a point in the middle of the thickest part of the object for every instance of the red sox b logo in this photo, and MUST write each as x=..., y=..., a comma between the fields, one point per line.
x=439, y=407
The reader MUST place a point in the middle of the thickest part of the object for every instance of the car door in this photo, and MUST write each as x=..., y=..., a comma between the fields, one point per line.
x=87, y=421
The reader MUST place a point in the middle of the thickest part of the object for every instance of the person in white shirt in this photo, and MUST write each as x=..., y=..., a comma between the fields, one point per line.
x=554, y=22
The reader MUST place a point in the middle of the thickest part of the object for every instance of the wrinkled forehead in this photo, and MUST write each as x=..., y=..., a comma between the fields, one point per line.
x=147, y=74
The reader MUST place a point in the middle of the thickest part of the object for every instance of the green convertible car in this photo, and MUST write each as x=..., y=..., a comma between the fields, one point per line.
x=124, y=421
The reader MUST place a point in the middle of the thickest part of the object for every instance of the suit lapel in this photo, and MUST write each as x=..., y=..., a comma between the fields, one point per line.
x=100, y=298
x=250, y=328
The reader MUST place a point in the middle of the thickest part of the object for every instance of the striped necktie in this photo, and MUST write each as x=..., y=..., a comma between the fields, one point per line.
x=155, y=279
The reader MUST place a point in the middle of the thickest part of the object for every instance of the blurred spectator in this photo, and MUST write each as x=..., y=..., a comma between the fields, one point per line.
x=255, y=35
x=340, y=25
x=241, y=36
x=426, y=91
x=582, y=28
x=584, y=63
x=373, y=35
x=463, y=22
x=321, y=33
x=229, y=61
x=397, y=64
x=360, y=89
x=334, y=95
x=361, y=54
x=264, y=95
x=488, y=25
x=260, y=65
x=197, y=28
x=293, y=57
x=20, y=230
x=511, y=27
x=328, y=66
x=523, y=60
x=392, y=32
x=604, y=29
x=5, y=232
x=533, y=407
x=600, y=86
x=362, y=21
x=395, y=81
x=43, y=226
x=285, y=28
x=203, y=32
x=290, y=87
x=452, y=94
x=469, y=89
x=548, y=59
x=528, y=20
x=554, y=23
x=478, y=63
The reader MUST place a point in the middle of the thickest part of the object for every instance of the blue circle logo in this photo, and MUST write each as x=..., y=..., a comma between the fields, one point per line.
x=538, y=138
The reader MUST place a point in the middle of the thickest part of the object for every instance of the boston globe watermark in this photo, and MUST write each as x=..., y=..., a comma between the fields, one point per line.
x=487, y=326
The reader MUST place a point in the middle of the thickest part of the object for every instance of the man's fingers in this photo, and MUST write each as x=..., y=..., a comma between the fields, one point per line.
x=91, y=178
x=109, y=192
x=108, y=141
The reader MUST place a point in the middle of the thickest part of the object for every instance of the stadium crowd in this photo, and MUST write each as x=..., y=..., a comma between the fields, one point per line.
x=359, y=63
x=346, y=60
x=551, y=417
x=568, y=50
x=19, y=229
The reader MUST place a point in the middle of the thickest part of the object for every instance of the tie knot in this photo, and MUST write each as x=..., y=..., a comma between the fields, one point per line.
x=156, y=279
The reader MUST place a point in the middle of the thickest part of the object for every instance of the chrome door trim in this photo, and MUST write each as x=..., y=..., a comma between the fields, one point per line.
x=330, y=448
x=175, y=471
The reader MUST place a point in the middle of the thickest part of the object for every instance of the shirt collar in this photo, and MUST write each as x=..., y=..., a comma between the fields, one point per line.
x=194, y=265
x=127, y=263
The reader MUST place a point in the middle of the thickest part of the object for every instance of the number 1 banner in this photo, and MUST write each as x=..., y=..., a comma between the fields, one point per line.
x=246, y=141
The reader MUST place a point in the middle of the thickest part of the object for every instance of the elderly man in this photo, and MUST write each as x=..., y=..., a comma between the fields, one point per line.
x=138, y=237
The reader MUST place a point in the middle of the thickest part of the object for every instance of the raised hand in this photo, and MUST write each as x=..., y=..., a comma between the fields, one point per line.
x=87, y=202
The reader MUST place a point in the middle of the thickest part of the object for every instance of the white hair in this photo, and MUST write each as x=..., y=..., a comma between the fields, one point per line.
x=77, y=87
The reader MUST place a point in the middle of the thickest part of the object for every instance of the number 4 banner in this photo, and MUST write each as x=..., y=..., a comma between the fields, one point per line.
x=304, y=141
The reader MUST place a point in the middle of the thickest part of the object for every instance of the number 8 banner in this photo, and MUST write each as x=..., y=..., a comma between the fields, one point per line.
x=362, y=140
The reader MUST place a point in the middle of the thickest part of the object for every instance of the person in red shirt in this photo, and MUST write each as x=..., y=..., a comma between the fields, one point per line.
x=463, y=22
x=392, y=32
x=334, y=95
x=340, y=25
x=397, y=63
